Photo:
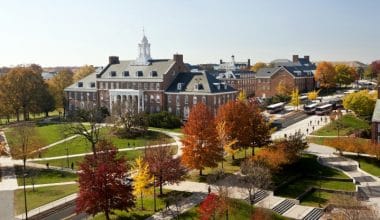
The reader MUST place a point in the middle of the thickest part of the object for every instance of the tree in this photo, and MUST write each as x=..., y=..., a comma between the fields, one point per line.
x=295, y=101
x=45, y=102
x=57, y=84
x=375, y=67
x=313, y=95
x=102, y=185
x=224, y=140
x=292, y=146
x=255, y=176
x=83, y=72
x=242, y=96
x=24, y=144
x=258, y=66
x=94, y=117
x=272, y=157
x=163, y=166
x=201, y=148
x=362, y=103
x=21, y=88
x=142, y=179
x=284, y=89
x=208, y=207
x=345, y=75
x=164, y=119
x=130, y=123
x=349, y=207
x=325, y=75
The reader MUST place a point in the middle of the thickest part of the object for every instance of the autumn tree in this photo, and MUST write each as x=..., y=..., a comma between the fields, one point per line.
x=362, y=103
x=83, y=72
x=130, y=123
x=313, y=95
x=209, y=207
x=86, y=123
x=142, y=180
x=57, y=84
x=284, y=89
x=295, y=101
x=375, y=68
x=255, y=176
x=349, y=207
x=258, y=66
x=224, y=140
x=345, y=75
x=163, y=166
x=325, y=75
x=293, y=146
x=200, y=145
x=101, y=183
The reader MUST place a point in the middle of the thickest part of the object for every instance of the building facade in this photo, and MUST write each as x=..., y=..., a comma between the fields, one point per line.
x=146, y=84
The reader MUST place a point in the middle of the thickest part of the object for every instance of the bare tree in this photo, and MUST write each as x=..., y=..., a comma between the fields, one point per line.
x=87, y=123
x=256, y=176
x=350, y=208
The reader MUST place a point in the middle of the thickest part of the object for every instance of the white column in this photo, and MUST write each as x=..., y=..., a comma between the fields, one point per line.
x=138, y=103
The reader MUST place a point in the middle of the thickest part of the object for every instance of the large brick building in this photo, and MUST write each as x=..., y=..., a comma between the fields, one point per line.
x=149, y=85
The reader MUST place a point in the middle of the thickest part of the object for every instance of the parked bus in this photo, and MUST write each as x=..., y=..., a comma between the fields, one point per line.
x=304, y=99
x=323, y=109
x=336, y=104
x=310, y=109
x=276, y=107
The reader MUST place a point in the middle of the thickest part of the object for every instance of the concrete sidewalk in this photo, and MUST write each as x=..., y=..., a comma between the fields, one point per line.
x=48, y=206
x=48, y=184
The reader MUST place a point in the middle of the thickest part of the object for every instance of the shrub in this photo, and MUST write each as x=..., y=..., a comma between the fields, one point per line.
x=164, y=120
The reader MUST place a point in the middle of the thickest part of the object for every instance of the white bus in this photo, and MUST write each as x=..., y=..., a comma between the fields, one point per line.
x=310, y=109
x=324, y=109
x=303, y=99
x=276, y=107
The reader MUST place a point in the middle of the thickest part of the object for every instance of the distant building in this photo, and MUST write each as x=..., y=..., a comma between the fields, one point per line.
x=375, y=127
x=48, y=75
x=149, y=85
x=298, y=73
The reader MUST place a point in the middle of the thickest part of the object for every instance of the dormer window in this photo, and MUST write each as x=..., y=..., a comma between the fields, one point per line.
x=198, y=87
x=225, y=86
x=80, y=84
x=153, y=74
x=217, y=85
x=126, y=73
x=92, y=85
x=179, y=86
x=113, y=73
x=139, y=73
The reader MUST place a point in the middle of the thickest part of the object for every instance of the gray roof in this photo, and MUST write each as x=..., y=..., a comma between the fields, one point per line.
x=296, y=71
x=376, y=112
x=160, y=66
x=267, y=72
x=198, y=82
x=86, y=83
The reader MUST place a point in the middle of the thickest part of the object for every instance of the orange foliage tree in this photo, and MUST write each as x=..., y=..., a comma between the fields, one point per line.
x=325, y=74
x=201, y=148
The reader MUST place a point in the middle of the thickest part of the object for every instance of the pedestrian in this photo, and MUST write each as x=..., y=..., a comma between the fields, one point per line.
x=313, y=128
x=72, y=165
x=318, y=123
x=129, y=144
x=47, y=165
x=307, y=131
x=285, y=136
x=167, y=204
x=209, y=189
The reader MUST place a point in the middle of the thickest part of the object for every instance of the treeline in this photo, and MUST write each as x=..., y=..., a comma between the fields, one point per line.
x=23, y=90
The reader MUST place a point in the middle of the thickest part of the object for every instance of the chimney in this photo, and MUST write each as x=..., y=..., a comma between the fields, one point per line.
x=307, y=58
x=113, y=60
x=295, y=58
x=249, y=63
x=178, y=58
x=220, y=61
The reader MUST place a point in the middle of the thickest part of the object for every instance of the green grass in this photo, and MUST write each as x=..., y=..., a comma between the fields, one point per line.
x=347, y=124
x=80, y=145
x=370, y=165
x=42, y=196
x=43, y=176
x=317, y=199
x=178, y=130
x=238, y=210
x=137, y=212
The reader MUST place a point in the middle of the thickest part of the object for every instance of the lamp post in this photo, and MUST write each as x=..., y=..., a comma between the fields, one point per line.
x=26, y=207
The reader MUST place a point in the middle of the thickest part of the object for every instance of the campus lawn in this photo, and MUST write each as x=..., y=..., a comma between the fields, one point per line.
x=347, y=124
x=177, y=130
x=41, y=196
x=79, y=145
x=370, y=165
x=239, y=209
x=137, y=212
x=317, y=199
x=43, y=176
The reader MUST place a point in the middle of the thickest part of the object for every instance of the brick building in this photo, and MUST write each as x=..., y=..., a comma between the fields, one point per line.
x=375, y=122
x=146, y=84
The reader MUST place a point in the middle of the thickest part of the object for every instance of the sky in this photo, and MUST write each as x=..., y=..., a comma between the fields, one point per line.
x=78, y=32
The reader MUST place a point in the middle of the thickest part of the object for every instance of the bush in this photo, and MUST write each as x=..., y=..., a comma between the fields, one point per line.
x=164, y=120
x=276, y=99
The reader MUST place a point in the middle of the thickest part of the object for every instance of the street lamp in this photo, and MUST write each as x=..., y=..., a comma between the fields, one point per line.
x=26, y=207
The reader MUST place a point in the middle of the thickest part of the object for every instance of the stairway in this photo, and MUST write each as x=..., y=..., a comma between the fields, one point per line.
x=283, y=206
x=260, y=195
x=315, y=214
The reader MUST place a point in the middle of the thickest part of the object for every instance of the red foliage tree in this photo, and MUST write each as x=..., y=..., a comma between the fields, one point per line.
x=163, y=166
x=201, y=148
x=101, y=183
x=208, y=208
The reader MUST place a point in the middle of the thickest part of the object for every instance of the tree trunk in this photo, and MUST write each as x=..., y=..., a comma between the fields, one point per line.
x=46, y=114
x=233, y=157
x=200, y=172
x=160, y=179
x=93, y=147
x=18, y=115
x=253, y=151
x=107, y=213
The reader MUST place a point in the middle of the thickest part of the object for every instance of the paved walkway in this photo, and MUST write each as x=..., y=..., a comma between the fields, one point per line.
x=48, y=184
x=8, y=184
x=176, y=136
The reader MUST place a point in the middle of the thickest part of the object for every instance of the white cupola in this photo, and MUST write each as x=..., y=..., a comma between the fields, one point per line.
x=144, y=52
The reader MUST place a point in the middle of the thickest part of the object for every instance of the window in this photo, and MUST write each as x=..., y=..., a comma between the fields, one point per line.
x=151, y=98
x=204, y=99
x=80, y=84
x=157, y=86
x=198, y=86
x=177, y=99
x=126, y=73
x=169, y=98
x=139, y=73
x=92, y=85
x=186, y=99
x=153, y=74
x=158, y=98
x=195, y=100
x=113, y=73
x=169, y=109
x=179, y=86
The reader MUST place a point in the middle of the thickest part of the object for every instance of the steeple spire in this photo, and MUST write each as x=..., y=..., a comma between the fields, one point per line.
x=144, y=51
